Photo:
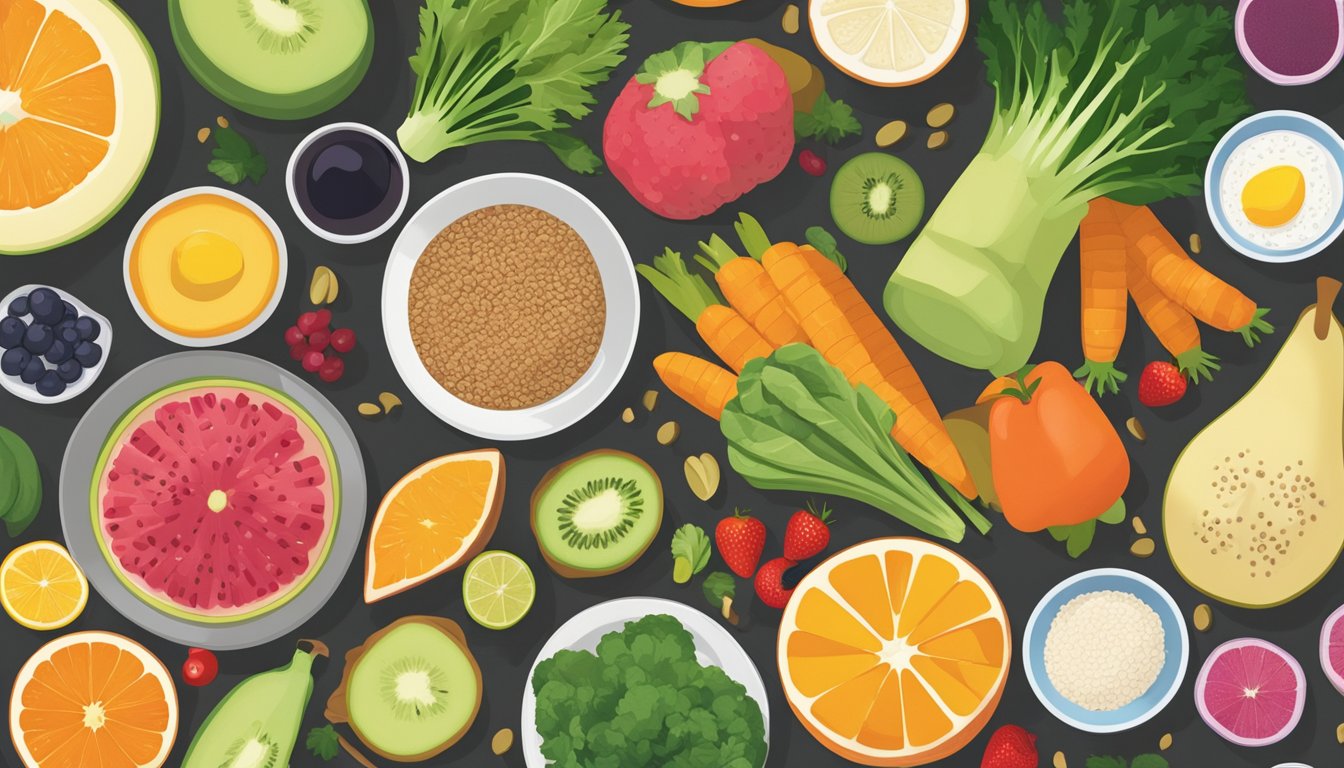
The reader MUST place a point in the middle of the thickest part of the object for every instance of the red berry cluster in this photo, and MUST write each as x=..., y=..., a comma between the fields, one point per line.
x=317, y=347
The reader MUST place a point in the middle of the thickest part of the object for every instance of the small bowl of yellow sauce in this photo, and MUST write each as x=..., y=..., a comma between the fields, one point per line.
x=205, y=266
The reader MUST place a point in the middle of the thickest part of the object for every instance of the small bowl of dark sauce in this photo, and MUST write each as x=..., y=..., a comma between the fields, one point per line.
x=347, y=182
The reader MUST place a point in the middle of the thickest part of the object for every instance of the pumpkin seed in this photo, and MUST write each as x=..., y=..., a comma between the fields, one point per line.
x=1136, y=429
x=891, y=133
x=369, y=410
x=1164, y=743
x=1203, y=617
x=938, y=140
x=388, y=401
x=1196, y=245
x=1139, y=527
x=668, y=433
x=502, y=742
x=1144, y=547
x=203, y=134
x=323, y=287
x=941, y=115
x=790, y=20
x=702, y=475
x=222, y=121
x=650, y=399
x=1059, y=761
x=628, y=415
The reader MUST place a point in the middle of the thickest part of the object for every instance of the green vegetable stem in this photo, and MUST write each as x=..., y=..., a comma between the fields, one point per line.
x=690, y=552
x=1123, y=99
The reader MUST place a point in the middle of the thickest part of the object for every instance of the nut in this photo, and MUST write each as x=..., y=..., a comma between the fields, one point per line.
x=202, y=135
x=502, y=742
x=388, y=401
x=938, y=140
x=668, y=433
x=941, y=115
x=1339, y=733
x=790, y=20
x=650, y=399
x=323, y=287
x=1136, y=428
x=1144, y=547
x=222, y=121
x=1059, y=761
x=1139, y=527
x=1164, y=743
x=628, y=416
x=1195, y=243
x=1203, y=618
x=702, y=475
x=891, y=133
x=369, y=410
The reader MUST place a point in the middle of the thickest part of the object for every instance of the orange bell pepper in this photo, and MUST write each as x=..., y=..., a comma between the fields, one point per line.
x=1055, y=458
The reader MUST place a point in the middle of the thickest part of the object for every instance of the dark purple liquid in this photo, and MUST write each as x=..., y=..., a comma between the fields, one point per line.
x=348, y=183
x=1292, y=37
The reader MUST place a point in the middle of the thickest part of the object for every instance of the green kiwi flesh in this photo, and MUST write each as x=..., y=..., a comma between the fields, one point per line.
x=876, y=198
x=595, y=515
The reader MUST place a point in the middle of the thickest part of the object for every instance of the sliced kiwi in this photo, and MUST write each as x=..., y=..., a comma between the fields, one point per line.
x=876, y=198
x=596, y=514
x=256, y=750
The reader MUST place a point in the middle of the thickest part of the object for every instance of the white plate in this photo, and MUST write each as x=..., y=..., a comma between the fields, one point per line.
x=367, y=130
x=618, y=285
x=15, y=386
x=228, y=338
x=713, y=646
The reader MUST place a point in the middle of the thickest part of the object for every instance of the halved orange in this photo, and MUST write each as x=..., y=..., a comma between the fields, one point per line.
x=79, y=112
x=894, y=652
x=436, y=518
x=93, y=699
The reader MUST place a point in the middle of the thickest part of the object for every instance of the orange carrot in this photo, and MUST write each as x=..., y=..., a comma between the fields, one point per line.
x=749, y=290
x=699, y=382
x=1105, y=303
x=1174, y=327
x=846, y=331
x=1183, y=281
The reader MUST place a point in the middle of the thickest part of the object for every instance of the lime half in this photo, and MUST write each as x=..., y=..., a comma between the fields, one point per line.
x=498, y=589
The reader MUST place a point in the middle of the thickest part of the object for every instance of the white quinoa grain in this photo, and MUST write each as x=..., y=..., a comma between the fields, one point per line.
x=1104, y=650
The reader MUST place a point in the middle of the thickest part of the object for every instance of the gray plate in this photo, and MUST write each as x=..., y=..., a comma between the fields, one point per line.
x=81, y=456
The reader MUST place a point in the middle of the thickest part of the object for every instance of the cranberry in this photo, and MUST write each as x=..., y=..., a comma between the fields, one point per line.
x=343, y=340
x=811, y=162
x=293, y=336
x=319, y=340
x=307, y=323
x=297, y=351
x=333, y=368
x=323, y=319
x=312, y=360
x=200, y=668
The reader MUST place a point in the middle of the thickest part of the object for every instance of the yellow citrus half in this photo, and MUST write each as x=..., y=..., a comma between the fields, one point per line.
x=889, y=42
x=41, y=587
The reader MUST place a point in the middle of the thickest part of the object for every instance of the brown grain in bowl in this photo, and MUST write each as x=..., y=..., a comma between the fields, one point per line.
x=506, y=307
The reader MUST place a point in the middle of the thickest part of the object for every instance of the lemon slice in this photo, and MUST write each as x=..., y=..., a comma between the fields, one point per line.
x=498, y=589
x=41, y=587
x=889, y=42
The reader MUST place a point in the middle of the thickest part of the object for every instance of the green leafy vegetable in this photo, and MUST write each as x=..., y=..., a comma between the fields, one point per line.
x=690, y=552
x=683, y=289
x=1124, y=99
x=797, y=424
x=824, y=241
x=323, y=742
x=1078, y=538
x=499, y=70
x=1148, y=761
x=717, y=586
x=830, y=121
x=644, y=699
x=235, y=158
x=1142, y=761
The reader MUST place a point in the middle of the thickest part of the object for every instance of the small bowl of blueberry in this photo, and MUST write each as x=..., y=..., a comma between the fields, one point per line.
x=52, y=346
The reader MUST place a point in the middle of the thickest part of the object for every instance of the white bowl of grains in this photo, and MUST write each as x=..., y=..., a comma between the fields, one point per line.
x=1106, y=650
x=510, y=306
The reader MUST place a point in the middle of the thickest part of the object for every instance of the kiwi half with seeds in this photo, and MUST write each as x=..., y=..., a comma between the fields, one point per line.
x=596, y=514
x=257, y=750
x=877, y=198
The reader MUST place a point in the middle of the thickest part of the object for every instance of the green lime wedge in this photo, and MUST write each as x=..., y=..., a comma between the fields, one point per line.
x=498, y=589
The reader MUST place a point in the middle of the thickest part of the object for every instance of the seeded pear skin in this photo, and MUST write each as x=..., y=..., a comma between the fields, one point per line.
x=1251, y=513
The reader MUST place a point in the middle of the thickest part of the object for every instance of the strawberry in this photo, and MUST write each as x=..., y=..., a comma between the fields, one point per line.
x=807, y=533
x=770, y=582
x=1011, y=747
x=741, y=539
x=1161, y=384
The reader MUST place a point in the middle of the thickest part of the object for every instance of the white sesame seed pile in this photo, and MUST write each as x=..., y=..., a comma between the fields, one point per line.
x=1104, y=650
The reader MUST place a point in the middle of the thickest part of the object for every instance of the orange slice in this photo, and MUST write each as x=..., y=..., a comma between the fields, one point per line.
x=93, y=699
x=894, y=652
x=434, y=519
x=41, y=587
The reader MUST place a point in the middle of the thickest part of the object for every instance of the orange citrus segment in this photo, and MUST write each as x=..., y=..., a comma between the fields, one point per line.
x=925, y=721
x=885, y=726
x=978, y=643
x=845, y=708
x=934, y=578
x=820, y=664
x=821, y=615
x=19, y=22
x=950, y=679
x=84, y=101
x=28, y=179
x=62, y=48
x=861, y=581
x=435, y=518
x=965, y=601
x=899, y=565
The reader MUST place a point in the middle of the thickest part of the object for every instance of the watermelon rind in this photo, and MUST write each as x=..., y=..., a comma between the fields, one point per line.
x=168, y=607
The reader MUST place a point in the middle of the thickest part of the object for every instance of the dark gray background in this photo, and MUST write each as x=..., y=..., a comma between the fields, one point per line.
x=1022, y=567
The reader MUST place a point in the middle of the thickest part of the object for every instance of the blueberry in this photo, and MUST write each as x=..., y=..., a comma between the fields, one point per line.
x=68, y=334
x=18, y=307
x=70, y=371
x=11, y=332
x=46, y=306
x=88, y=328
x=38, y=338
x=70, y=312
x=32, y=370
x=14, y=361
x=50, y=385
x=60, y=352
x=88, y=353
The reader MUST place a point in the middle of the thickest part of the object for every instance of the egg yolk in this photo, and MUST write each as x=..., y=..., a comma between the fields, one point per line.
x=206, y=265
x=1274, y=196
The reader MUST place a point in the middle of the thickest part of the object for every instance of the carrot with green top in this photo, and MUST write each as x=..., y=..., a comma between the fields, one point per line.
x=746, y=286
x=702, y=384
x=1105, y=300
x=1174, y=327
x=1185, y=282
x=850, y=336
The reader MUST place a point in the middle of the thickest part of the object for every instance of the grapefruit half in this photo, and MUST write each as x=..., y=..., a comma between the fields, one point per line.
x=1332, y=649
x=1251, y=692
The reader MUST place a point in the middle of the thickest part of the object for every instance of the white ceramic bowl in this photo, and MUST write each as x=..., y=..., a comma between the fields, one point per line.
x=16, y=387
x=227, y=338
x=618, y=285
x=294, y=199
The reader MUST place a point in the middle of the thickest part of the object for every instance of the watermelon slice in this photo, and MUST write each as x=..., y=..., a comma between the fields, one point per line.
x=1251, y=692
x=215, y=500
x=1332, y=649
